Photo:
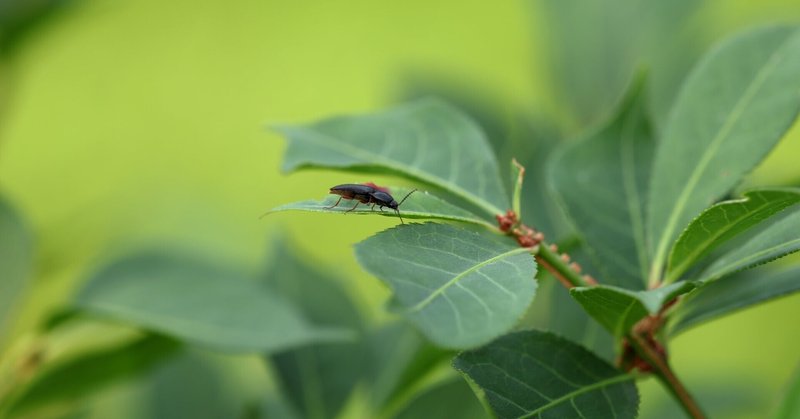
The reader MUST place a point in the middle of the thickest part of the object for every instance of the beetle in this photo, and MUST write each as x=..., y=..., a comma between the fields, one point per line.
x=368, y=193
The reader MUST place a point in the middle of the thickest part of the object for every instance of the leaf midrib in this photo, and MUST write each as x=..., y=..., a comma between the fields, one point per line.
x=691, y=256
x=368, y=155
x=705, y=159
x=632, y=194
x=744, y=262
x=441, y=289
x=578, y=392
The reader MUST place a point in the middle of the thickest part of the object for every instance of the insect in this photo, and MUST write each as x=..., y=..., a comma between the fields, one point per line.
x=368, y=193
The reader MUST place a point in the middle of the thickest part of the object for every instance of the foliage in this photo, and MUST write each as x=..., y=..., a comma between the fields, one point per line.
x=659, y=246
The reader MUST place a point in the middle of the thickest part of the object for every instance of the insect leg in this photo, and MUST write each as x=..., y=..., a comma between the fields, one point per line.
x=337, y=203
x=401, y=217
x=354, y=207
x=372, y=208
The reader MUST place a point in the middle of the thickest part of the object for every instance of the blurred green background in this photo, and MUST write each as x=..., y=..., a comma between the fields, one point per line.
x=130, y=123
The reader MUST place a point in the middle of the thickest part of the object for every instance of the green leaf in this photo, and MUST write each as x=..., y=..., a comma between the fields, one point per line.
x=449, y=399
x=194, y=300
x=83, y=376
x=723, y=221
x=775, y=241
x=732, y=110
x=537, y=374
x=399, y=358
x=200, y=385
x=602, y=182
x=419, y=205
x=426, y=140
x=462, y=288
x=733, y=293
x=789, y=407
x=16, y=260
x=618, y=309
x=317, y=378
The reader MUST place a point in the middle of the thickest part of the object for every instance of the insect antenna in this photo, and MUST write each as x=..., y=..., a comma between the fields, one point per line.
x=401, y=203
x=407, y=195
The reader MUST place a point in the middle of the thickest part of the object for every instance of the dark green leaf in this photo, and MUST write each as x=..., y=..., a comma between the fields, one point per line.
x=16, y=260
x=602, y=182
x=426, y=140
x=732, y=110
x=317, y=378
x=733, y=293
x=723, y=221
x=447, y=400
x=775, y=241
x=789, y=407
x=419, y=205
x=192, y=299
x=538, y=374
x=618, y=309
x=81, y=377
x=462, y=288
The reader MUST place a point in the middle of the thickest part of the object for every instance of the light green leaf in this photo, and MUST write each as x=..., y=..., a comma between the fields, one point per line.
x=618, y=309
x=789, y=407
x=775, y=241
x=732, y=110
x=462, y=288
x=611, y=217
x=723, y=221
x=419, y=205
x=733, y=293
x=426, y=140
x=536, y=374
x=81, y=377
x=192, y=299
x=318, y=378
x=16, y=260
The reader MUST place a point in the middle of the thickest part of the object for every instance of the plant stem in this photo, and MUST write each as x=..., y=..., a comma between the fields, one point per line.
x=666, y=376
x=552, y=261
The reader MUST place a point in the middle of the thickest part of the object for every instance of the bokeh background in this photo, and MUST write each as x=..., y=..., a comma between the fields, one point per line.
x=130, y=123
